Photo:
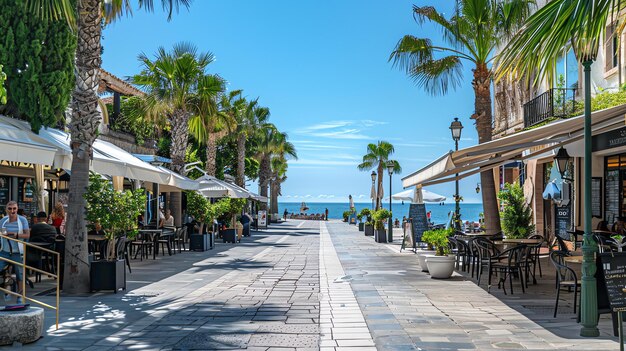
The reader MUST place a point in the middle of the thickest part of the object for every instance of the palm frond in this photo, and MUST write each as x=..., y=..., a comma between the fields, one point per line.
x=438, y=76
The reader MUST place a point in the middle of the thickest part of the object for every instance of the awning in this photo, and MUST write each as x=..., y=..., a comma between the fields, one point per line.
x=179, y=181
x=410, y=195
x=539, y=141
x=107, y=158
x=20, y=144
x=210, y=186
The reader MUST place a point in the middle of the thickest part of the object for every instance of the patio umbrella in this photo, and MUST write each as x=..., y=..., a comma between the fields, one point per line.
x=373, y=192
x=381, y=192
x=409, y=195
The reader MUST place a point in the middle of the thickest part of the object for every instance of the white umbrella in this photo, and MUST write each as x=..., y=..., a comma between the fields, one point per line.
x=381, y=192
x=409, y=195
x=373, y=192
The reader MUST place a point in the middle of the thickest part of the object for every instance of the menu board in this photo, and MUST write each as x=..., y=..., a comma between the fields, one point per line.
x=26, y=196
x=417, y=213
x=614, y=271
x=611, y=196
x=596, y=197
x=4, y=191
x=562, y=221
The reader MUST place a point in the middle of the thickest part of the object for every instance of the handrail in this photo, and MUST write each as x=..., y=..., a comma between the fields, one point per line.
x=555, y=102
x=24, y=266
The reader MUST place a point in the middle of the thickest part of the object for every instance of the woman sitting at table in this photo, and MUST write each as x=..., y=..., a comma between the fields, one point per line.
x=603, y=226
x=167, y=220
x=619, y=227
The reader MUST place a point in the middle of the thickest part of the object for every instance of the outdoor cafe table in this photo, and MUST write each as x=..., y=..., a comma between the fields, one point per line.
x=507, y=243
x=98, y=243
x=154, y=235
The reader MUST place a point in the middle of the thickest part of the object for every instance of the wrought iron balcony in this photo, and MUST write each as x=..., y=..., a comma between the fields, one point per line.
x=554, y=103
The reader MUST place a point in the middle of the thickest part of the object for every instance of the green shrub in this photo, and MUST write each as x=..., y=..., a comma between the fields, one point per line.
x=516, y=216
x=438, y=239
x=380, y=216
x=367, y=214
x=346, y=214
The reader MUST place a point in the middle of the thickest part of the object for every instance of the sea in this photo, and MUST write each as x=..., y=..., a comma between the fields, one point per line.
x=439, y=213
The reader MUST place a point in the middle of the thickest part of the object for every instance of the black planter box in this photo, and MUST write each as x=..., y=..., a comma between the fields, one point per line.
x=229, y=235
x=107, y=275
x=199, y=242
x=369, y=230
x=380, y=236
x=361, y=227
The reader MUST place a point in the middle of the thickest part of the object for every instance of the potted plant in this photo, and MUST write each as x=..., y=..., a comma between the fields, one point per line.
x=441, y=264
x=380, y=217
x=232, y=207
x=204, y=212
x=359, y=216
x=516, y=216
x=117, y=213
x=423, y=253
x=346, y=214
x=368, y=226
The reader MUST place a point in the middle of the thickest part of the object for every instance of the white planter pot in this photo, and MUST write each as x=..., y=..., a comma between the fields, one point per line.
x=421, y=258
x=440, y=267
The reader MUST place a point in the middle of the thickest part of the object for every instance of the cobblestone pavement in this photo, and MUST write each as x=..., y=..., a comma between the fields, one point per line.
x=407, y=310
x=304, y=285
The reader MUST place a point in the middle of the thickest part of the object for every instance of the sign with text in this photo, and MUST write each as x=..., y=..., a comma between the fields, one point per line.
x=417, y=213
x=614, y=270
x=263, y=218
x=608, y=140
x=596, y=197
x=562, y=221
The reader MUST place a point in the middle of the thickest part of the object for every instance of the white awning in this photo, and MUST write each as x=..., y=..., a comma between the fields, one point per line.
x=210, y=186
x=19, y=144
x=179, y=181
x=529, y=144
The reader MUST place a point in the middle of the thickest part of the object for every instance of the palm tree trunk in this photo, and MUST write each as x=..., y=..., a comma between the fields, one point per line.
x=179, y=120
x=273, y=196
x=264, y=176
x=83, y=129
x=241, y=160
x=380, y=184
x=482, y=106
x=211, y=154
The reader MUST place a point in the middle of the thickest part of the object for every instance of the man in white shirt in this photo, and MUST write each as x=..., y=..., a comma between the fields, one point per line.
x=16, y=227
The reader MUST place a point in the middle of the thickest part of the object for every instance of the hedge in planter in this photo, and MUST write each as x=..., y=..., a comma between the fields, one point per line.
x=516, y=216
x=117, y=213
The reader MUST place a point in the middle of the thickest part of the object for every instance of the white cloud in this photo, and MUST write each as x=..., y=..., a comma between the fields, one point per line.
x=361, y=196
x=331, y=196
x=372, y=123
x=307, y=196
x=329, y=125
x=342, y=129
x=322, y=162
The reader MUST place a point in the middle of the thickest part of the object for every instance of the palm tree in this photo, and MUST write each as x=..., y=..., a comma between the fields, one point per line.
x=172, y=82
x=534, y=51
x=272, y=147
x=377, y=157
x=249, y=121
x=472, y=34
x=85, y=116
x=210, y=124
x=279, y=176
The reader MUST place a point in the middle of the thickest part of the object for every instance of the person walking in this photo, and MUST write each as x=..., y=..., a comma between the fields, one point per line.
x=326, y=214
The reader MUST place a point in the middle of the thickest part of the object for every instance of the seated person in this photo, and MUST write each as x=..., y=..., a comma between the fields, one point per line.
x=167, y=220
x=97, y=245
x=41, y=231
x=602, y=225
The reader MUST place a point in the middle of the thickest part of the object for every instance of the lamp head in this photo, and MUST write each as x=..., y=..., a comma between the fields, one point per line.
x=390, y=166
x=477, y=188
x=562, y=161
x=373, y=176
x=455, y=128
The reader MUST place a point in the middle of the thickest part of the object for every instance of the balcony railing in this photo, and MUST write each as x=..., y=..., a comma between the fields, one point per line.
x=556, y=102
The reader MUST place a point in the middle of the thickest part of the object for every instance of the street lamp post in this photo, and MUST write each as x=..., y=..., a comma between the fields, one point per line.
x=455, y=128
x=390, y=167
x=374, y=194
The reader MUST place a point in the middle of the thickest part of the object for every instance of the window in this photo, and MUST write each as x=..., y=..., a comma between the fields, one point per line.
x=610, y=47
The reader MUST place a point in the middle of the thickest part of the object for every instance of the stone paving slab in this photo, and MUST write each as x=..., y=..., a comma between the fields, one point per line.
x=407, y=310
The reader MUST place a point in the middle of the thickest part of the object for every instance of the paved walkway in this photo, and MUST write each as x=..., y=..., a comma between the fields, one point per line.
x=303, y=285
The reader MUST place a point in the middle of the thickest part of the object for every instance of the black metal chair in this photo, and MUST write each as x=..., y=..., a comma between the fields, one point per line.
x=565, y=278
x=487, y=253
x=534, y=257
x=180, y=239
x=121, y=249
x=510, y=262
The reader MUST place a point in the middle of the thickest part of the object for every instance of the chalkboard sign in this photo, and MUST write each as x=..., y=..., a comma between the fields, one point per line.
x=562, y=221
x=4, y=191
x=26, y=191
x=417, y=213
x=596, y=197
x=614, y=270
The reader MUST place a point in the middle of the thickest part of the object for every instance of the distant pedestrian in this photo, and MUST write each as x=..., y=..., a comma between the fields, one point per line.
x=326, y=214
x=285, y=213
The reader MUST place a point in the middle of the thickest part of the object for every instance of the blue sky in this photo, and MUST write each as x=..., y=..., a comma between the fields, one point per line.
x=321, y=67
